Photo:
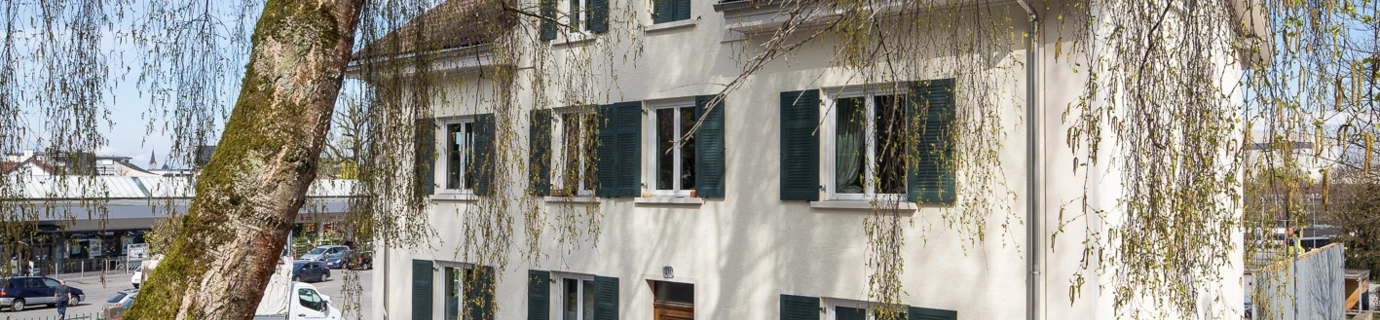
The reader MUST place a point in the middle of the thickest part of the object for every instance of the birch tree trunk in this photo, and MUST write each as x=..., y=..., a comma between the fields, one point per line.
x=248, y=196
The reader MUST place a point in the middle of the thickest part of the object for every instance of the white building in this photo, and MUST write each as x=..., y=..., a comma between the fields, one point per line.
x=775, y=229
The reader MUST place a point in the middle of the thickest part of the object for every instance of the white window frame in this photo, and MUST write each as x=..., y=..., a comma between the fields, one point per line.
x=580, y=280
x=582, y=15
x=651, y=149
x=443, y=163
x=558, y=155
x=439, y=294
x=831, y=313
x=829, y=149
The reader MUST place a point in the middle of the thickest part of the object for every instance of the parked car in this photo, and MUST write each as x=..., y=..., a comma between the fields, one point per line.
x=335, y=263
x=310, y=271
x=321, y=253
x=18, y=293
x=116, y=306
x=360, y=260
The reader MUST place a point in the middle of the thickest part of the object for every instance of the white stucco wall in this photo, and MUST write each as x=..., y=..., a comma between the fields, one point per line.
x=745, y=250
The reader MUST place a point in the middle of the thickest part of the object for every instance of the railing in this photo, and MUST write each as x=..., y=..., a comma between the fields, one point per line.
x=70, y=316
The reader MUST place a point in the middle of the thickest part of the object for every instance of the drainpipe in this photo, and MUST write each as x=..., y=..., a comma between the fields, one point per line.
x=1032, y=161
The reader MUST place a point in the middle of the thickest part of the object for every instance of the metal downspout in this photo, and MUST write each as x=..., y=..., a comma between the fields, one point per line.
x=1032, y=161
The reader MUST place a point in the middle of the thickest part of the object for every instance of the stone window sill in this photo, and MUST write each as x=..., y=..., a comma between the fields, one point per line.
x=574, y=38
x=575, y=199
x=687, y=23
x=669, y=200
x=462, y=197
x=859, y=205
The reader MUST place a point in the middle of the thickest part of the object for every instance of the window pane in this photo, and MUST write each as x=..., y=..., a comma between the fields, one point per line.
x=469, y=155
x=891, y=144
x=849, y=145
x=454, y=142
x=574, y=15
x=674, y=292
x=452, y=293
x=572, y=300
x=588, y=307
x=665, y=128
x=687, y=150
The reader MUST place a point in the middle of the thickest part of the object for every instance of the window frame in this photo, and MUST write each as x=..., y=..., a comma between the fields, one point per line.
x=652, y=151
x=828, y=147
x=580, y=18
x=558, y=156
x=443, y=163
x=694, y=295
x=320, y=303
x=441, y=292
x=581, y=281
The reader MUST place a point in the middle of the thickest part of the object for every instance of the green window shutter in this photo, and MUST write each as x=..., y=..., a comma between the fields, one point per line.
x=682, y=10
x=709, y=150
x=799, y=308
x=548, y=24
x=663, y=11
x=424, y=154
x=599, y=16
x=917, y=313
x=421, y=289
x=605, y=298
x=618, y=166
x=538, y=295
x=539, y=155
x=479, y=294
x=484, y=156
x=799, y=145
x=931, y=110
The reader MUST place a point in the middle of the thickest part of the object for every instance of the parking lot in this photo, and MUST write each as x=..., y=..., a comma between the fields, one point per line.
x=98, y=289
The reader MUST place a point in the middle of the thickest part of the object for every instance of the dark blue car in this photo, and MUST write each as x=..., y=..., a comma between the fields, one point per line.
x=18, y=293
x=310, y=271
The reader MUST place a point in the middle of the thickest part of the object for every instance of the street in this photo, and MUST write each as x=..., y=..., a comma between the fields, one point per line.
x=97, y=291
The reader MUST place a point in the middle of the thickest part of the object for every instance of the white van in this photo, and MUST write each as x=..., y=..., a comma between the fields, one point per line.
x=289, y=300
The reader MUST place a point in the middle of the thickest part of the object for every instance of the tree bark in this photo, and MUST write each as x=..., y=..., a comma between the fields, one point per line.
x=248, y=196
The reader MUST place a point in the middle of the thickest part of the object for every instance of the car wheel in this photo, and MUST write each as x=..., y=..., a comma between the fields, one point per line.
x=75, y=301
x=17, y=305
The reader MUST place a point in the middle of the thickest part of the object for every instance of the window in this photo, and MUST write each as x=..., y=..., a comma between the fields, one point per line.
x=578, y=15
x=48, y=282
x=670, y=10
x=869, y=145
x=573, y=148
x=310, y=299
x=454, y=296
x=577, y=299
x=460, y=155
x=673, y=165
x=673, y=300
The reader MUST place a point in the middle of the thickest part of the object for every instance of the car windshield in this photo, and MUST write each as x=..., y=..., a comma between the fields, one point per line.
x=116, y=298
x=317, y=251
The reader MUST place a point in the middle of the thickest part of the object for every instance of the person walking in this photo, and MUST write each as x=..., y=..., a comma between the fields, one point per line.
x=62, y=294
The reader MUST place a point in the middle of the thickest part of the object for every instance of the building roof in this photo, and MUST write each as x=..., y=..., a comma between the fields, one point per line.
x=43, y=188
x=450, y=25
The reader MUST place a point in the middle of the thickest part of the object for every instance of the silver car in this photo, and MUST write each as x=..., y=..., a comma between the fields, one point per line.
x=322, y=253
